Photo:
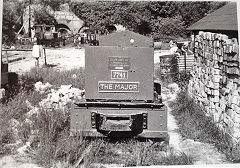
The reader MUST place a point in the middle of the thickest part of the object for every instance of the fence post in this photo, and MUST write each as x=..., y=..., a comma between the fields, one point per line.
x=45, y=56
x=185, y=61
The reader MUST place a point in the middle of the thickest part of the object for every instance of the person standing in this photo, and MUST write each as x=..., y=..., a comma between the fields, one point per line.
x=37, y=51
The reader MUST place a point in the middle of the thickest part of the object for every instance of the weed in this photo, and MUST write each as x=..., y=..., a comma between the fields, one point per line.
x=11, y=114
x=136, y=153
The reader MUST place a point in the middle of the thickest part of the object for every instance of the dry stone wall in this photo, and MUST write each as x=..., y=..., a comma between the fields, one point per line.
x=215, y=81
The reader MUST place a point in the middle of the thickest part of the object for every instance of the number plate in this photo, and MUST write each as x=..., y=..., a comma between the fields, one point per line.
x=117, y=87
x=119, y=74
x=118, y=63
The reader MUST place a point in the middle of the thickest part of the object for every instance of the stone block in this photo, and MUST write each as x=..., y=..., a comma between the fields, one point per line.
x=216, y=99
x=2, y=93
x=216, y=78
x=216, y=92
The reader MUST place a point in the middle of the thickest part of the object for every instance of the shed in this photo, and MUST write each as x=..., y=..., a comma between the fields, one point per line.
x=126, y=38
x=222, y=20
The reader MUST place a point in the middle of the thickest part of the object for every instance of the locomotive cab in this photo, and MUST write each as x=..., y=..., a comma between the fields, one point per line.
x=47, y=35
x=122, y=99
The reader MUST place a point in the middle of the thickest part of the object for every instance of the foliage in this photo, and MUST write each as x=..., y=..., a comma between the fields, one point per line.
x=155, y=18
x=11, y=24
x=42, y=16
x=54, y=4
x=159, y=19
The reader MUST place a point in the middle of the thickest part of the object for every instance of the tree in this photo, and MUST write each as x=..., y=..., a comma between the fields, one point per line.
x=12, y=10
x=192, y=12
x=42, y=16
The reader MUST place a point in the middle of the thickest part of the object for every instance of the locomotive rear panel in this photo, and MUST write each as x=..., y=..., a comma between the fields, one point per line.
x=116, y=73
x=84, y=120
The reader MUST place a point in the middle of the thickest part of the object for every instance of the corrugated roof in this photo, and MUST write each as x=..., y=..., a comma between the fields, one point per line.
x=225, y=18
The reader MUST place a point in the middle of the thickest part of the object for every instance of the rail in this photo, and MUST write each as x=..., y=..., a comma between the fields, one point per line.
x=16, y=49
x=30, y=50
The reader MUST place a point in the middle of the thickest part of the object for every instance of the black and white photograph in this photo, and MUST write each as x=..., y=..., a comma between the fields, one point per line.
x=119, y=83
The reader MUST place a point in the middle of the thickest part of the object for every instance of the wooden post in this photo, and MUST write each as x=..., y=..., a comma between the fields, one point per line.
x=1, y=18
x=45, y=56
x=29, y=20
x=185, y=61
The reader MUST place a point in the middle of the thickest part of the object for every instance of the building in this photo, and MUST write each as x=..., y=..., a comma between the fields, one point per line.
x=215, y=81
x=223, y=20
x=66, y=20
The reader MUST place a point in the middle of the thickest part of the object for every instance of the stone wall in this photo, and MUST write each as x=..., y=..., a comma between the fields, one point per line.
x=215, y=81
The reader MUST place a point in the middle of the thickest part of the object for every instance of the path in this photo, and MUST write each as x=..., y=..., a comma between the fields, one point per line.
x=18, y=160
x=203, y=153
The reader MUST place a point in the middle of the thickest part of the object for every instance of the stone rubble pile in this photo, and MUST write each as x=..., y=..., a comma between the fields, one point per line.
x=58, y=99
x=40, y=87
x=215, y=82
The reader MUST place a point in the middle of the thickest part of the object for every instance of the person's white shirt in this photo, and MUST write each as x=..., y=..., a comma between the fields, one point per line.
x=173, y=48
x=37, y=51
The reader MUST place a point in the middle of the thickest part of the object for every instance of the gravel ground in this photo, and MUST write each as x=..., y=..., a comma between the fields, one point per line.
x=17, y=161
x=59, y=58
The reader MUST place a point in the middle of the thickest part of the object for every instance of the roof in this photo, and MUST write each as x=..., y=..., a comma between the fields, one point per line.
x=126, y=38
x=225, y=18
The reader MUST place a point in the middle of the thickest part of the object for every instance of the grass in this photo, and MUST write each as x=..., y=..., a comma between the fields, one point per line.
x=13, y=110
x=75, y=77
x=20, y=91
x=194, y=124
x=136, y=153
x=51, y=144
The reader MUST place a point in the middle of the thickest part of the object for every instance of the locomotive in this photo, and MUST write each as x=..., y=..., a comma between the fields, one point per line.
x=122, y=98
x=47, y=35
